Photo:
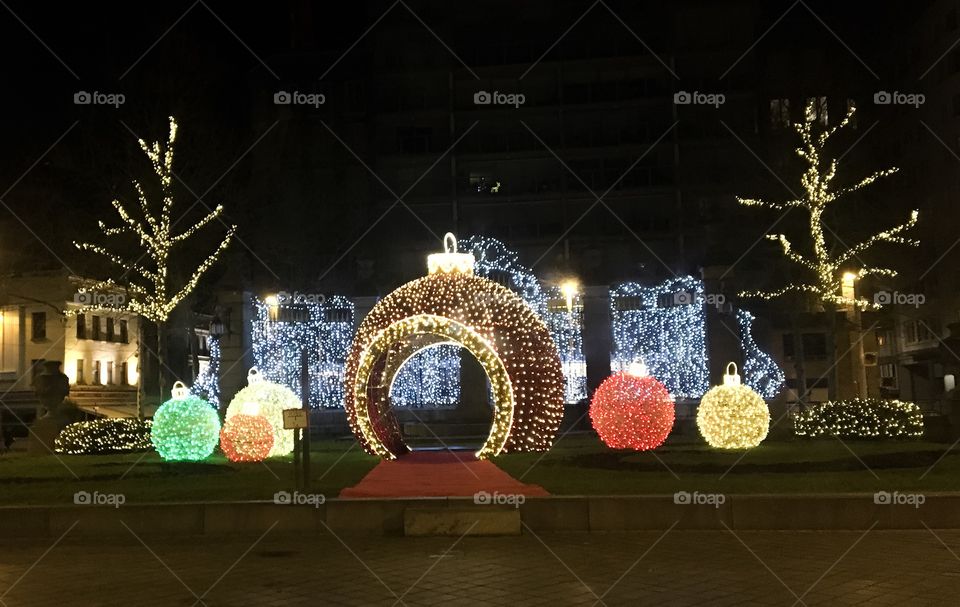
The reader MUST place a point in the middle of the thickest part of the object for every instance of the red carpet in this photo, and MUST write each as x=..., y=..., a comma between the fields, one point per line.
x=438, y=474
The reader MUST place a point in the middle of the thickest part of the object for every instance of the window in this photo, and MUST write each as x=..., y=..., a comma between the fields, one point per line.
x=109, y=372
x=124, y=336
x=123, y=373
x=779, y=113
x=95, y=327
x=884, y=338
x=109, y=329
x=853, y=119
x=816, y=110
x=81, y=326
x=96, y=372
x=916, y=331
x=38, y=326
x=888, y=375
x=80, y=379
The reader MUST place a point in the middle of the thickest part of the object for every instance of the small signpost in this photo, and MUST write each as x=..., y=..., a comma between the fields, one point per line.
x=298, y=420
x=295, y=419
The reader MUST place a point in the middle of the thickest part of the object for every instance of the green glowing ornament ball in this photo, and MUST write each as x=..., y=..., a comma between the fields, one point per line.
x=186, y=428
x=732, y=415
x=269, y=399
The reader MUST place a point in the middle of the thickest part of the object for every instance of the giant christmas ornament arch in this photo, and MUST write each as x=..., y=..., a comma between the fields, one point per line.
x=452, y=305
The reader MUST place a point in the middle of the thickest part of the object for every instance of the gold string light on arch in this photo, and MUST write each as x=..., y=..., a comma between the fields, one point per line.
x=491, y=322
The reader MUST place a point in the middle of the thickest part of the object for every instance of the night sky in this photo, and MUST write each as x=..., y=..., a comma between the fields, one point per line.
x=214, y=66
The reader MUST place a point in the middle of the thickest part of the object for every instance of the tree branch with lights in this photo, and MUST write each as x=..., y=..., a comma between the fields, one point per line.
x=818, y=194
x=150, y=292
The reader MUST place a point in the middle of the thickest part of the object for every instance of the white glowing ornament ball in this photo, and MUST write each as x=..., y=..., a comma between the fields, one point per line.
x=269, y=399
x=732, y=415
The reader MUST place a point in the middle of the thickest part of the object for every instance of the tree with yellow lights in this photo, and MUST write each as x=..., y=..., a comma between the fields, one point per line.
x=819, y=192
x=827, y=266
x=146, y=280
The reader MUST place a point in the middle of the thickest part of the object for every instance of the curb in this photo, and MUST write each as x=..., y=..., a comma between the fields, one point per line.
x=590, y=514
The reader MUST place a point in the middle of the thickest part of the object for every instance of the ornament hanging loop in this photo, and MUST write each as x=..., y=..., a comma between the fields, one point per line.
x=254, y=376
x=449, y=243
x=731, y=378
x=179, y=390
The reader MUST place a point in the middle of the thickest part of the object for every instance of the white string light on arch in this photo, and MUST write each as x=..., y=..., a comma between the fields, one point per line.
x=663, y=326
x=206, y=385
x=324, y=327
x=761, y=373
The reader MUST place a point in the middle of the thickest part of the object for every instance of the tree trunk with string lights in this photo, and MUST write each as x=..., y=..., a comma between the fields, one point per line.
x=145, y=271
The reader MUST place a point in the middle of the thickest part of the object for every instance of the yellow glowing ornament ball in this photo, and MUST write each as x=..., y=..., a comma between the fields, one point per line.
x=269, y=399
x=732, y=415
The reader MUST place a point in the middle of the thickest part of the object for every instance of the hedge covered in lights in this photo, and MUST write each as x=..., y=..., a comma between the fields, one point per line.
x=861, y=418
x=104, y=436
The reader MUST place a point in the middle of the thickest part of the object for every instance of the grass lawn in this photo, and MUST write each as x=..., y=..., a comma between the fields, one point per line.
x=577, y=465
x=144, y=477
x=581, y=465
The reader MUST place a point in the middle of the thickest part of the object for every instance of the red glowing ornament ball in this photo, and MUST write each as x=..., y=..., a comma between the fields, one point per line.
x=246, y=438
x=632, y=410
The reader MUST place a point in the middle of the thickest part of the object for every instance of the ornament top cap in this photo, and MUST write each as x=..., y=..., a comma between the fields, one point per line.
x=254, y=376
x=450, y=261
x=179, y=390
x=638, y=369
x=731, y=378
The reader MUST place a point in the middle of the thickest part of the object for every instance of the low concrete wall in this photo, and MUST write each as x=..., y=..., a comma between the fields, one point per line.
x=541, y=514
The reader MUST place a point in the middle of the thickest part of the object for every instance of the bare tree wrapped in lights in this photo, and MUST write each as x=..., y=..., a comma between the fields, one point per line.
x=149, y=289
x=826, y=266
x=819, y=193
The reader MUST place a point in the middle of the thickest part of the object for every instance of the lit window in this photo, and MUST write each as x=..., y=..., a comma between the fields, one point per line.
x=816, y=110
x=779, y=113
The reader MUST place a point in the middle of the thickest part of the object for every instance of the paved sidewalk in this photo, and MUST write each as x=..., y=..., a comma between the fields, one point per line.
x=678, y=568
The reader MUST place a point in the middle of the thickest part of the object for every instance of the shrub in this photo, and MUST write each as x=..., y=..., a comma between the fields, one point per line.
x=861, y=418
x=105, y=436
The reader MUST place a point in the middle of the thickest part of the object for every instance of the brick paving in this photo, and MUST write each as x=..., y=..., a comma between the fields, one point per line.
x=679, y=568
